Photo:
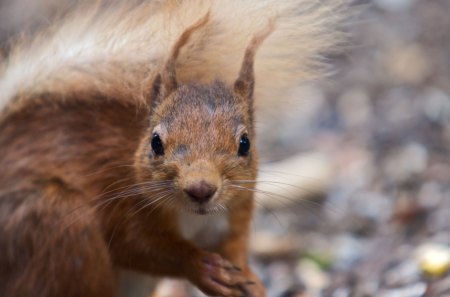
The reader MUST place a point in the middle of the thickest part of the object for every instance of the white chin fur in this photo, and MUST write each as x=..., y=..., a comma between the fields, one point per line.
x=206, y=231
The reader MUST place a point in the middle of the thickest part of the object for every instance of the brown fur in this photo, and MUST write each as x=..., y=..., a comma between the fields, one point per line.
x=50, y=147
x=82, y=192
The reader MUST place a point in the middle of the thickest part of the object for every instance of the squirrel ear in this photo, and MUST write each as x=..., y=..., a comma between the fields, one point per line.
x=155, y=91
x=245, y=83
x=166, y=82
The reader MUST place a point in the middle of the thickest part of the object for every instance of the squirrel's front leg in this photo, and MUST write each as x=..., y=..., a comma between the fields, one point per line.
x=235, y=247
x=158, y=250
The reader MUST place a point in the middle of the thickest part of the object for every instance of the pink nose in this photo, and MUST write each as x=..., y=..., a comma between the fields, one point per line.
x=200, y=192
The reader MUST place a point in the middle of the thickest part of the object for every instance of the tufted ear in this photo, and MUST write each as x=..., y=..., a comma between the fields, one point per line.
x=166, y=82
x=245, y=83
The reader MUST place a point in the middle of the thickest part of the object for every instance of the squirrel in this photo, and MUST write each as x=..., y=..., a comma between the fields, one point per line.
x=127, y=136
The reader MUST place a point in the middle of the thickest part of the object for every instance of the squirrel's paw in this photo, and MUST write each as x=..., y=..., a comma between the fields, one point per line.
x=253, y=287
x=216, y=276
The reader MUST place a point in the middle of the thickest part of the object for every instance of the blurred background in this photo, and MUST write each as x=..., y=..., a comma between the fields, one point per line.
x=381, y=128
x=355, y=175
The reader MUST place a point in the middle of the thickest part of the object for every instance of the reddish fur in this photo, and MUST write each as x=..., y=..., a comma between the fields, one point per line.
x=75, y=133
x=63, y=157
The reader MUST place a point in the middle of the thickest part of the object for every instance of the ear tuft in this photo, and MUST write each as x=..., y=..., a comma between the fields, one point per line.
x=245, y=83
x=169, y=78
x=155, y=91
x=166, y=82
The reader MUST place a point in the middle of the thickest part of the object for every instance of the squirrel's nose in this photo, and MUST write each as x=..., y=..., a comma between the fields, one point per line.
x=200, y=192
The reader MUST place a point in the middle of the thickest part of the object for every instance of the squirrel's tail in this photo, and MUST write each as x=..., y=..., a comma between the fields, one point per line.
x=115, y=49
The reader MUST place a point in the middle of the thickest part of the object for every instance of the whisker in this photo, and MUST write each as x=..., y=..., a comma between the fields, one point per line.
x=130, y=188
x=272, y=213
x=269, y=194
x=281, y=173
x=168, y=201
x=275, y=183
x=323, y=205
x=152, y=201
x=101, y=201
x=124, y=221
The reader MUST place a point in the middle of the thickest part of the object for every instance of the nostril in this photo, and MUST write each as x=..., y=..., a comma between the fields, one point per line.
x=200, y=192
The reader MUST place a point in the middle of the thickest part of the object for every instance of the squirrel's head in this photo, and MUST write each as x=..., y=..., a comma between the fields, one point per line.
x=198, y=153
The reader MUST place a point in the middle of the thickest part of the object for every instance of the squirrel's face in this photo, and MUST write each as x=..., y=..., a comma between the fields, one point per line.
x=197, y=154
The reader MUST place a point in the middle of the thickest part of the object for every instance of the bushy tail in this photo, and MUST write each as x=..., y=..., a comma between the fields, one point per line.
x=115, y=49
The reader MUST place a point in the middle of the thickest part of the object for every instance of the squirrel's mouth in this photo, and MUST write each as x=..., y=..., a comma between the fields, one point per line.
x=201, y=210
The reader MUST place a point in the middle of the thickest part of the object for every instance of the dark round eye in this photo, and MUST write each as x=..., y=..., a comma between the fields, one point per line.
x=157, y=145
x=244, y=146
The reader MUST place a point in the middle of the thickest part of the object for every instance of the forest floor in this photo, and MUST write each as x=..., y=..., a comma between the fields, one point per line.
x=383, y=122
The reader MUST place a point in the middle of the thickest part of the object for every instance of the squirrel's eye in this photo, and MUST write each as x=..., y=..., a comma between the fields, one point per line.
x=244, y=146
x=157, y=145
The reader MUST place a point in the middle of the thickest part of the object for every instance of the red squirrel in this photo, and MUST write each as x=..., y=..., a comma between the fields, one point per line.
x=113, y=157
